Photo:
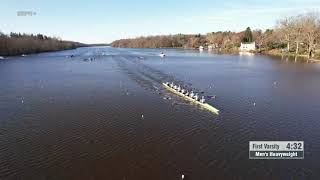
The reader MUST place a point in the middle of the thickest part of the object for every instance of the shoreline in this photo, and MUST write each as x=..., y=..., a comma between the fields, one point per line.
x=235, y=51
x=47, y=51
x=18, y=44
x=26, y=53
x=292, y=55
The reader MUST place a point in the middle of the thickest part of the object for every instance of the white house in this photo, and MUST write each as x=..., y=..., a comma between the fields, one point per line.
x=248, y=46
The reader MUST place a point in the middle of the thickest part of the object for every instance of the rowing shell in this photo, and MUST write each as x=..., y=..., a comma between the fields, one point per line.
x=204, y=105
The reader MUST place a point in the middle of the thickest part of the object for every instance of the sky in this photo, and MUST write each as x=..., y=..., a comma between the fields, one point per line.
x=103, y=21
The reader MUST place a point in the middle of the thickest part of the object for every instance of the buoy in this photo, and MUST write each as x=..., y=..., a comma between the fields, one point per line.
x=182, y=176
x=142, y=117
x=254, y=104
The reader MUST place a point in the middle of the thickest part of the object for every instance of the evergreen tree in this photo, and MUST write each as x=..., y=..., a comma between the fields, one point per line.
x=248, y=35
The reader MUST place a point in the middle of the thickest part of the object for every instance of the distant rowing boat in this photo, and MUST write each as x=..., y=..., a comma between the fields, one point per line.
x=181, y=93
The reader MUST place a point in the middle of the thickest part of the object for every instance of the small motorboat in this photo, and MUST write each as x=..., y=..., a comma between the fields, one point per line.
x=70, y=56
x=162, y=54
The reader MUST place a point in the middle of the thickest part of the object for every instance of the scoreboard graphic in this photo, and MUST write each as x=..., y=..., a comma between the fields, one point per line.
x=276, y=149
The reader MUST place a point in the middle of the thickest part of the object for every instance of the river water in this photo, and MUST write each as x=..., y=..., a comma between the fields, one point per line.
x=110, y=118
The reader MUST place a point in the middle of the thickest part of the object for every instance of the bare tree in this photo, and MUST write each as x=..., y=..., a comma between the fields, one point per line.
x=266, y=39
x=285, y=30
x=297, y=27
x=301, y=33
x=210, y=38
x=311, y=31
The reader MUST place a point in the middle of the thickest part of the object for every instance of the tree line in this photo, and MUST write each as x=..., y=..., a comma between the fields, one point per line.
x=299, y=35
x=17, y=44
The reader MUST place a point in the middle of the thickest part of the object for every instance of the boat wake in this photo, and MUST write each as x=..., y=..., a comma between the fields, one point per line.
x=151, y=79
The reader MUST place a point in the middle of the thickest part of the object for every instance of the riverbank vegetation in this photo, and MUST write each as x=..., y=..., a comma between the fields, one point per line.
x=17, y=44
x=297, y=35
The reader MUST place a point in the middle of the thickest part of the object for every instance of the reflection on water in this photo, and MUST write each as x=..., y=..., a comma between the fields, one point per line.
x=110, y=118
x=243, y=53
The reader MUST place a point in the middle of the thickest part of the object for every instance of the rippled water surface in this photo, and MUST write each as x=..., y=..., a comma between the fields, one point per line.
x=110, y=118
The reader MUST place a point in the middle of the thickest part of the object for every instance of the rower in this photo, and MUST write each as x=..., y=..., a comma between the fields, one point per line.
x=175, y=87
x=171, y=85
x=191, y=94
x=182, y=91
x=202, y=100
x=196, y=97
x=179, y=88
x=187, y=93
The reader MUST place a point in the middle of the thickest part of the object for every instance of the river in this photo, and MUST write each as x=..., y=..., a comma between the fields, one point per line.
x=110, y=118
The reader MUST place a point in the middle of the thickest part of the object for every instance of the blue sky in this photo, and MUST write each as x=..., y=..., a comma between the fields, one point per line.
x=101, y=21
